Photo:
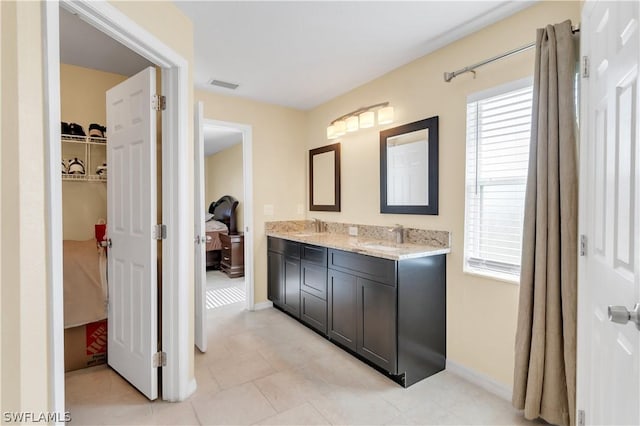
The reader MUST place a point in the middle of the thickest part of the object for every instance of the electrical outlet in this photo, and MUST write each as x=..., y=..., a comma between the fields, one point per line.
x=353, y=231
x=268, y=209
x=300, y=209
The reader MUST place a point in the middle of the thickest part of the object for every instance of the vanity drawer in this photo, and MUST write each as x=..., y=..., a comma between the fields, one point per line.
x=313, y=311
x=286, y=247
x=372, y=268
x=314, y=254
x=313, y=279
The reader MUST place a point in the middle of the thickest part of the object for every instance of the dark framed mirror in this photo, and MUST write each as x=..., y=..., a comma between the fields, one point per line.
x=409, y=168
x=324, y=178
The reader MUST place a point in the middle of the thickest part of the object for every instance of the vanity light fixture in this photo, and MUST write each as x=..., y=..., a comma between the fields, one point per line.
x=362, y=118
x=352, y=123
x=367, y=119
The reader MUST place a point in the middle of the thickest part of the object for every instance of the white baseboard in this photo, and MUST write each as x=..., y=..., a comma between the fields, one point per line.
x=480, y=379
x=263, y=305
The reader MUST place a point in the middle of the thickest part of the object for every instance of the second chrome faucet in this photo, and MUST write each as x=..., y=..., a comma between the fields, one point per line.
x=399, y=231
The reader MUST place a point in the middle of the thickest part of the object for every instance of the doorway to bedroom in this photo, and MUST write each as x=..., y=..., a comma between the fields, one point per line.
x=224, y=219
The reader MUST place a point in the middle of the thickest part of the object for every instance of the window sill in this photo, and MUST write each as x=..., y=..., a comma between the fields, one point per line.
x=496, y=276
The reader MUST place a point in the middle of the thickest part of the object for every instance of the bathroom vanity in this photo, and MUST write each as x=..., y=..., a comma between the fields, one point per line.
x=385, y=303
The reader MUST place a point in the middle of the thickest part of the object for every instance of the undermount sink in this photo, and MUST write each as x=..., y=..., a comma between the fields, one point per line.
x=378, y=246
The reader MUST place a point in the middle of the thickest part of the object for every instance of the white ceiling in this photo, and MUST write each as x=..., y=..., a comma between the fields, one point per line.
x=296, y=54
x=84, y=46
x=219, y=138
x=301, y=54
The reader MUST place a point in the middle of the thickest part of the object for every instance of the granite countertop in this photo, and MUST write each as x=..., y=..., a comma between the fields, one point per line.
x=368, y=246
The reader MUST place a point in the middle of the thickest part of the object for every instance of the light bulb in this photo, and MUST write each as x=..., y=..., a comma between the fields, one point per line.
x=352, y=123
x=331, y=132
x=367, y=119
x=385, y=115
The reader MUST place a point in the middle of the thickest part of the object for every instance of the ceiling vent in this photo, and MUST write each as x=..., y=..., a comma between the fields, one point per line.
x=224, y=84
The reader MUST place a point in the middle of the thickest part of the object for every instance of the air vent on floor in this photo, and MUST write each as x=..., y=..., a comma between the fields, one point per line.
x=224, y=84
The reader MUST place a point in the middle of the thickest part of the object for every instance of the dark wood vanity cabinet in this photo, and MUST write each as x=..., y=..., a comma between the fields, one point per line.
x=362, y=306
x=343, y=319
x=376, y=332
x=297, y=280
x=275, y=283
x=291, y=292
x=391, y=313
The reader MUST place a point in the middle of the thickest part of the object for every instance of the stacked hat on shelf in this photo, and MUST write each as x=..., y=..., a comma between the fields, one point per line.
x=74, y=131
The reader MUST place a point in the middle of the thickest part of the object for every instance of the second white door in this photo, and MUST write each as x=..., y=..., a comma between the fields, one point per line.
x=131, y=213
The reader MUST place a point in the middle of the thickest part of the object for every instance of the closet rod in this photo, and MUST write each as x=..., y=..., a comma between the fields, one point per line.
x=448, y=76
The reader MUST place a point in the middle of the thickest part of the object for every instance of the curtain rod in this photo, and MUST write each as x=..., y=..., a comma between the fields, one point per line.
x=448, y=76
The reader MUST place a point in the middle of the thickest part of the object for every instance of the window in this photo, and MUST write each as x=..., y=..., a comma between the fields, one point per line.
x=498, y=130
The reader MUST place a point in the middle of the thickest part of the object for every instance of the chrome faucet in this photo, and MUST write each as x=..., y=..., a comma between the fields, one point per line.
x=399, y=231
x=318, y=224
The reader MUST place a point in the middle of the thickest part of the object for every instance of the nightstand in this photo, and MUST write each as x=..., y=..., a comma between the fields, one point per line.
x=232, y=255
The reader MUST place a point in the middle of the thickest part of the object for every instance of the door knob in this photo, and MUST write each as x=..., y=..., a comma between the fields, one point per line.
x=106, y=243
x=620, y=315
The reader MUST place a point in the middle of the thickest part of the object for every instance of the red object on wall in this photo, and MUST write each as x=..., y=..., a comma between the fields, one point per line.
x=100, y=230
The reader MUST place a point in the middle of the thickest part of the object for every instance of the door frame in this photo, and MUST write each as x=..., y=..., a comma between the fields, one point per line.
x=583, y=318
x=176, y=381
x=247, y=183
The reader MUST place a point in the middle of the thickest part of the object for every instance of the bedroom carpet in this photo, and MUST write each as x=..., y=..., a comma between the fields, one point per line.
x=264, y=368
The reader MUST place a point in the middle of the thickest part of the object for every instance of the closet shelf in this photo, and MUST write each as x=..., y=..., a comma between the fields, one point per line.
x=92, y=140
x=84, y=178
x=71, y=144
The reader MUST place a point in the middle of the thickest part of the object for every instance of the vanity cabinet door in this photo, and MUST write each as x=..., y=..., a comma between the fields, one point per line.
x=377, y=322
x=275, y=281
x=342, y=308
x=291, y=295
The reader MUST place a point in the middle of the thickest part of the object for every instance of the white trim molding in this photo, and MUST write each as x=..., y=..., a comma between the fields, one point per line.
x=480, y=379
x=247, y=181
x=53, y=190
x=177, y=301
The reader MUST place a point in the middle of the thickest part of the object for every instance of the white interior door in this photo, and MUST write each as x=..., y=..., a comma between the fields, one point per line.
x=199, y=232
x=608, y=352
x=131, y=212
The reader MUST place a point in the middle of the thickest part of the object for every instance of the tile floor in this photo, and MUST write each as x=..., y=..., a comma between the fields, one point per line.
x=264, y=368
x=222, y=290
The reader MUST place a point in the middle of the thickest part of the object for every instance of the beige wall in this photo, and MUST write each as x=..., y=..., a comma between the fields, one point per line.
x=83, y=101
x=223, y=176
x=279, y=158
x=24, y=342
x=24, y=314
x=481, y=313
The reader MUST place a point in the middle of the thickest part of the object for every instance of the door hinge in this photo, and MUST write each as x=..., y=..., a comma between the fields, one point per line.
x=583, y=245
x=585, y=67
x=159, y=359
x=159, y=232
x=159, y=103
x=581, y=419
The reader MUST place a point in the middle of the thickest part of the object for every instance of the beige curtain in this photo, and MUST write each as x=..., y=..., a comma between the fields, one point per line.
x=545, y=359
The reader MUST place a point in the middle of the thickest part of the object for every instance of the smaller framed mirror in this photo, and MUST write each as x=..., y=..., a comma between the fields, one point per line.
x=324, y=178
x=409, y=168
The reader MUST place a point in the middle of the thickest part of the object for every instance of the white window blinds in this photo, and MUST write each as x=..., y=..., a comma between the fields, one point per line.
x=498, y=131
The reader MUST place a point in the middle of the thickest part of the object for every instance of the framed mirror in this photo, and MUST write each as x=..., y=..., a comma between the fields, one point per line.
x=409, y=168
x=324, y=178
